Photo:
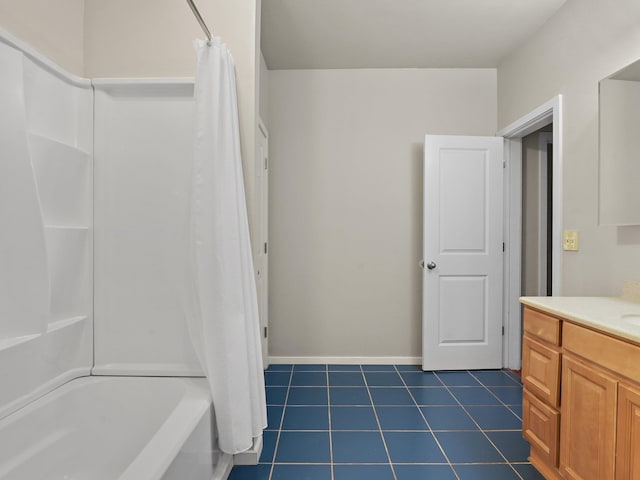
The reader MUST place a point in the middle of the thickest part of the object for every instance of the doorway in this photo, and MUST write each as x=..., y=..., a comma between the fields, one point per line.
x=537, y=212
x=549, y=113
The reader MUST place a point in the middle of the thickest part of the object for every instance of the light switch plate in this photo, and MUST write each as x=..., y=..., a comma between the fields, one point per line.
x=570, y=240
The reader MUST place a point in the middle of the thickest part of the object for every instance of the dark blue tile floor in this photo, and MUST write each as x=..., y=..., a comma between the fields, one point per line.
x=391, y=422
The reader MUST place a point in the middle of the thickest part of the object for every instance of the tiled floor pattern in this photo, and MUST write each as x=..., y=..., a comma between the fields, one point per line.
x=391, y=422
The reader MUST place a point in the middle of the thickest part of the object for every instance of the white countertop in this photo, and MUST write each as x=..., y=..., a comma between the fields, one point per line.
x=614, y=315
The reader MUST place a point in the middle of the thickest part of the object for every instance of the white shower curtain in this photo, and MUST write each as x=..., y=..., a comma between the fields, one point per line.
x=224, y=321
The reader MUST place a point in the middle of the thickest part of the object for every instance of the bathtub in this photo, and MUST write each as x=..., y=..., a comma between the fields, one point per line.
x=108, y=428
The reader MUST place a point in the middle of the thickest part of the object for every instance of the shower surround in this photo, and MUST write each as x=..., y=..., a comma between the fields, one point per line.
x=61, y=319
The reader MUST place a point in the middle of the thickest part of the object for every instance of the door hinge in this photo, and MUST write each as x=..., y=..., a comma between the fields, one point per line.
x=503, y=246
x=266, y=163
x=502, y=331
x=265, y=332
x=265, y=248
x=504, y=164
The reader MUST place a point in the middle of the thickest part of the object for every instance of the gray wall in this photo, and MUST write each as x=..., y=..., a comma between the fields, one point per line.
x=346, y=152
x=530, y=214
x=55, y=29
x=583, y=43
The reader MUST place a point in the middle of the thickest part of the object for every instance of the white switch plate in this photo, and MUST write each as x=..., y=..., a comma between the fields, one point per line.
x=570, y=240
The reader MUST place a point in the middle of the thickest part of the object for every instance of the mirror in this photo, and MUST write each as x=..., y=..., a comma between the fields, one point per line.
x=619, y=187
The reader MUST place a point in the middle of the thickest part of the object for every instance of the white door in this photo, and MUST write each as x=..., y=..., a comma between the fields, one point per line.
x=262, y=257
x=463, y=250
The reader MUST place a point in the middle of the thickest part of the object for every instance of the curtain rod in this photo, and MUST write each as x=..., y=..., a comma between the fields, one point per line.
x=195, y=11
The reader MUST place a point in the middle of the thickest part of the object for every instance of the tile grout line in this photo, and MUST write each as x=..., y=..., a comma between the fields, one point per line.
x=380, y=430
x=435, y=439
x=330, y=426
x=375, y=414
x=494, y=395
x=284, y=407
x=483, y=432
x=474, y=420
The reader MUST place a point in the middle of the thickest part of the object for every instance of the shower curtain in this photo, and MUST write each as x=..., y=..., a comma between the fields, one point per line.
x=223, y=316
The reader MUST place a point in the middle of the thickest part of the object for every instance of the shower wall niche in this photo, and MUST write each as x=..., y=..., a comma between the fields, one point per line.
x=46, y=129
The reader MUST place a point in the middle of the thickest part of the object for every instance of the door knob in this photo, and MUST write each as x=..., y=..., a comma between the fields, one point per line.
x=431, y=265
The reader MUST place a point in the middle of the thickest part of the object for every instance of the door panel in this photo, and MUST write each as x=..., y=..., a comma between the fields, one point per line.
x=470, y=316
x=463, y=203
x=462, y=281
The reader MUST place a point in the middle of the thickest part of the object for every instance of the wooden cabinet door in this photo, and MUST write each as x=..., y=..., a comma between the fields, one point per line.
x=588, y=422
x=541, y=370
x=628, y=458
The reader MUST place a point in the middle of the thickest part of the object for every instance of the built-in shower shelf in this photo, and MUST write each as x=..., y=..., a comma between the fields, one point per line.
x=46, y=275
x=6, y=343
x=63, y=174
x=65, y=322
x=69, y=228
x=73, y=151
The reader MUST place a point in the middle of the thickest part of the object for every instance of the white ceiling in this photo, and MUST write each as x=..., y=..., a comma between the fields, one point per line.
x=397, y=33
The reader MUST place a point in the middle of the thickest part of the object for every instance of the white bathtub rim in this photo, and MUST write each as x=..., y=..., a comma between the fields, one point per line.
x=59, y=389
x=24, y=402
x=223, y=467
x=160, y=452
x=168, y=439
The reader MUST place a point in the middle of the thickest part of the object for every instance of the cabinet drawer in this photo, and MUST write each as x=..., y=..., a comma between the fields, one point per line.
x=618, y=356
x=541, y=325
x=541, y=370
x=541, y=427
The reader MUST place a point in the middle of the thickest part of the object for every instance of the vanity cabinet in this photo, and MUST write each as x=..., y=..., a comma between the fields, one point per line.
x=541, y=357
x=581, y=400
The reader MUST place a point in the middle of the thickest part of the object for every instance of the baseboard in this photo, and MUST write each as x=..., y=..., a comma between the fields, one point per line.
x=251, y=456
x=348, y=360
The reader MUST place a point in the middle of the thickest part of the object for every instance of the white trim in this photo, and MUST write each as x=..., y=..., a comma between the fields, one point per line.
x=549, y=112
x=347, y=360
x=41, y=60
x=146, y=81
x=43, y=389
x=261, y=231
x=534, y=120
x=145, y=87
x=512, y=340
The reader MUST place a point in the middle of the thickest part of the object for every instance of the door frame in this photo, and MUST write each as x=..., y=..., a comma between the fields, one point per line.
x=548, y=112
x=262, y=223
